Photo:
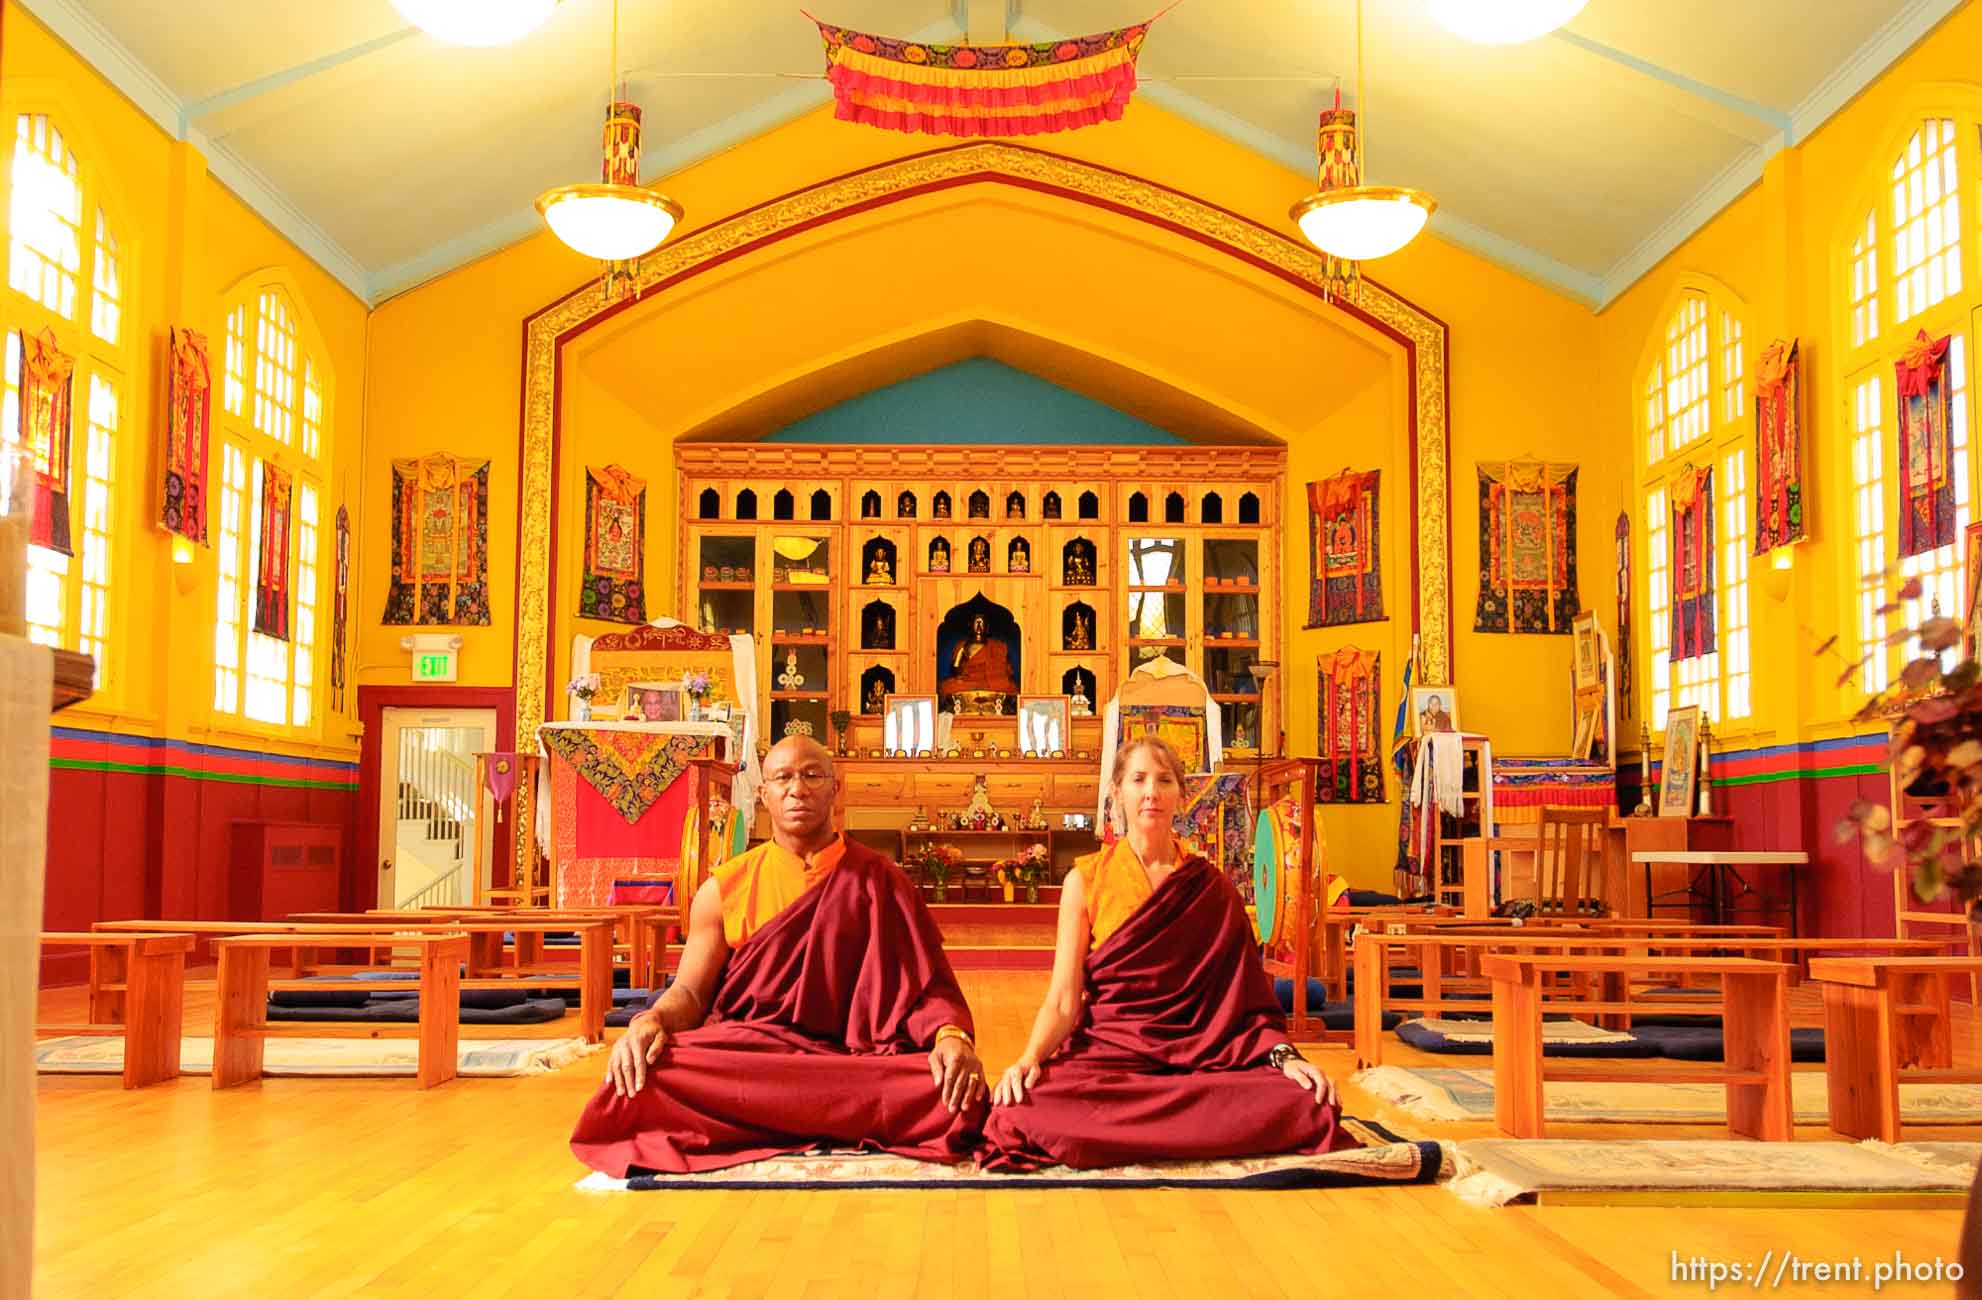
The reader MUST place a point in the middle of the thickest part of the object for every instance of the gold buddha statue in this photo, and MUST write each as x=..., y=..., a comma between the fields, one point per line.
x=981, y=678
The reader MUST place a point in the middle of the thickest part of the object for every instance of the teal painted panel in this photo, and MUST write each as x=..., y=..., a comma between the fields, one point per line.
x=978, y=400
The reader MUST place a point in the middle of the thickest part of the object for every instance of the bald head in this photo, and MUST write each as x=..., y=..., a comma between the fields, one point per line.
x=799, y=787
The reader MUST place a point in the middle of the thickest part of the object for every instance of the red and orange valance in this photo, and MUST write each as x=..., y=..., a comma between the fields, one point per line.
x=981, y=90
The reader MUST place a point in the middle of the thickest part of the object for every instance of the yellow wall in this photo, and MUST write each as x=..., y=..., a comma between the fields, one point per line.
x=188, y=240
x=1775, y=248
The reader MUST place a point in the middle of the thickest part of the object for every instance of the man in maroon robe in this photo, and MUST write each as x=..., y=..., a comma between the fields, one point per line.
x=813, y=1006
x=1179, y=1052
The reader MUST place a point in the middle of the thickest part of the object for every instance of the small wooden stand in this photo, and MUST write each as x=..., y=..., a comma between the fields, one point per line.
x=536, y=890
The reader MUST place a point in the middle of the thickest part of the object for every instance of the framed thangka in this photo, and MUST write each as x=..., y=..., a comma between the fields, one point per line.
x=47, y=383
x=1926, y=446
x=272, y=545
x=1351, y=754
x=1623, y=657
x=440, y=542
x=1345, y=578
x=340, y=604
x=1692, y=630
x=1527, y=547
x=188, y=420
x=615, y=547
x=1779, y=516
x=1971, y=577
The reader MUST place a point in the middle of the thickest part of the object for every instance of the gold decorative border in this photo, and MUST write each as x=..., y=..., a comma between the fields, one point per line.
x=1422, y=335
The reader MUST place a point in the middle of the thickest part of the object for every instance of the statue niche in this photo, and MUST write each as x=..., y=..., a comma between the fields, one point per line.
x=877, y=626
x=1077, y=563
x=977, y=658
x=877, y=562
x=876, y=685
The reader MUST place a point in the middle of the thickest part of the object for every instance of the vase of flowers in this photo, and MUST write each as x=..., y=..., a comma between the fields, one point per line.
x=696, y=686
x=937, y=862
x=1026, y=871
x=582, y=688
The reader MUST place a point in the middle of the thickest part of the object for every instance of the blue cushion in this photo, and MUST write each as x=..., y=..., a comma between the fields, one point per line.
x=1704, y=1042
x=1419, y=1036
x=407, y=1011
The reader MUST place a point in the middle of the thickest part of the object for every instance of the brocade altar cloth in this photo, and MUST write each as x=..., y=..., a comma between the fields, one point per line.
x=1522, y=787
x=617, y=796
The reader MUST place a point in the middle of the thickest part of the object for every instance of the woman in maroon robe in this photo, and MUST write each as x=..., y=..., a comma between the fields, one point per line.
x=1159, y=1038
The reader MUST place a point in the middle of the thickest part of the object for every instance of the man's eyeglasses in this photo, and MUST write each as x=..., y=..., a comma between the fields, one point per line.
x=811, y=778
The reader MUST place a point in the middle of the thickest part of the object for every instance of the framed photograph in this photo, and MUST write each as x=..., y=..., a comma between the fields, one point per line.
x=908, y=724
x=1586, y=729
x=1971, y=576
x=1679, y=778
x=1434, y=708
x=1583, y=634
x=1042, y=724
x=653, y=702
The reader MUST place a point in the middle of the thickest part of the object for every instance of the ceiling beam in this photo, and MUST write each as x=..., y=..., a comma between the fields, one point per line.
x=1775, y=119
x=274, y=81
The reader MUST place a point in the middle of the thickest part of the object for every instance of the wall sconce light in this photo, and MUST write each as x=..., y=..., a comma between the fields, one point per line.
x=184, y=572
x=1776, y=578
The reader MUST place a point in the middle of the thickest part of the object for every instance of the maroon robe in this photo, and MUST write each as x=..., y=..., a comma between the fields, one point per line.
x=1169, y=1059
x=819, y=1034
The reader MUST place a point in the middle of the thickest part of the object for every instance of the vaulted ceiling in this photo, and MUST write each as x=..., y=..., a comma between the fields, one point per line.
x=1578, y=160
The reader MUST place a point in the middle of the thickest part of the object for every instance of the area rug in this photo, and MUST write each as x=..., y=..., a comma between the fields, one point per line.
x=1436, y=1094
x=1504, y=1171
x=1383, y=1160
x=488, y=1058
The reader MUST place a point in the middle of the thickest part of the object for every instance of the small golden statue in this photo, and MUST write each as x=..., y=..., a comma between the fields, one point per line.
x=1079, y=572
x=939, y=556
x=980, y=555
x=877, y=699
x=1021, y=557
x=1081, y=637
x=879, y=572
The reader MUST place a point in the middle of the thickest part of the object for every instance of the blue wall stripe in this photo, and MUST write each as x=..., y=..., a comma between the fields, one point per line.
x=158, y=744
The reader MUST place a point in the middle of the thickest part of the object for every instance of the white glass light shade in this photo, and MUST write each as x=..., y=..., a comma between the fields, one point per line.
x=1366, y=222
x=1503, y=22
x=611, y=223
x=476, y=22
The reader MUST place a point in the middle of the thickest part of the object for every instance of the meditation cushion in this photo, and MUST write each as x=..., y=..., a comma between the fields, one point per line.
x=1426, y=1038
x=407, y=1011
x=1372, y=898
x=1704, y=1042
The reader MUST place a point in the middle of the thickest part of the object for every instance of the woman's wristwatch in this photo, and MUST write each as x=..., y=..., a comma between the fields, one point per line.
x=1280, y=1055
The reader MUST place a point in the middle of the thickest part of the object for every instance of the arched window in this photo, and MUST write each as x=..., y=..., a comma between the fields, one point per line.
x=1693, y=391
x=1902, y=261
x=271, y=455
x=66, y=274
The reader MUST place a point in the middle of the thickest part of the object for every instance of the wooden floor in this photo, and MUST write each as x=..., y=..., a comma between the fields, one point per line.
x=298, y=1188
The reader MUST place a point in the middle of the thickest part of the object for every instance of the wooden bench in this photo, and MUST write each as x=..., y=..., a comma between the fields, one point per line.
x=1755, y=1038
x=641, y=931
x=1886, y=1022
x=240, y=1016
x=151, y=970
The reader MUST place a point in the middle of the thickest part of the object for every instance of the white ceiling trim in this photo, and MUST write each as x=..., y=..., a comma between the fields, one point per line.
x=1901, y=33
x=80, y=31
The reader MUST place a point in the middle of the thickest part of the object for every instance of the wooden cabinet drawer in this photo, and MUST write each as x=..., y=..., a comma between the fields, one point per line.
x=866, y=788
x=1015, y=793
x=1077, y=792
x=941, y=790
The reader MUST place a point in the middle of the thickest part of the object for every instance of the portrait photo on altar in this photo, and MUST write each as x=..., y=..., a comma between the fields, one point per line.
x=653, y=702
x=1434, y=708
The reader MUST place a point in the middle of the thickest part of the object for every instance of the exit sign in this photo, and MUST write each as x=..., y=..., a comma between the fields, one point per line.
x=434, y=665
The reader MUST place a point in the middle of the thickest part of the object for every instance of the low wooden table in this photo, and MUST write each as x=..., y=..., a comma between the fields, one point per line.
x=151, y=970
x=1886, y=1023
x=1721, y=869
x=1755, y=1034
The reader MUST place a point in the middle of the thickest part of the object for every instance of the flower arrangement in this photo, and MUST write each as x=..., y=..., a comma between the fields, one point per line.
x=697, y=686
x=1027, y=870
x=584, y=686
x=936, y=862
x=1935, y=714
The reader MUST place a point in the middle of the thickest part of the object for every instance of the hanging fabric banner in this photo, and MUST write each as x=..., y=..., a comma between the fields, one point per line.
x=1351, y=754
x=1345, y=580
x=272, y=574
x=1624, y=610
x=1778, y=449
x=1692, y=563
x=981, y=90
x=1527, y=547
x=340, y=605
x=1926, y=447
x=47, y=380
x=440, y=542
x=183, y=466
x=615, y=546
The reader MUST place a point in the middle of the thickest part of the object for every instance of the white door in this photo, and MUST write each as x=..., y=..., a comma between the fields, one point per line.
x=429, y=808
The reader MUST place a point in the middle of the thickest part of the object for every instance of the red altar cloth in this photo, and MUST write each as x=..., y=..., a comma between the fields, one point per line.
x=598, y=775
x=819, y=1033
x=1522, y=787
x=1168, y=1060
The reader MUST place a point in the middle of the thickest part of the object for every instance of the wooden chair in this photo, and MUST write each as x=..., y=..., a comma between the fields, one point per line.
x=150, y=973
x=1569, y=863
x=1886, y=1022
x=1909, y=911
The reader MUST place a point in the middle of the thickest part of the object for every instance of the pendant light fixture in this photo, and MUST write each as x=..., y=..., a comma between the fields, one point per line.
x=1345, y=218
x=615, y=219
x=476, y=22
x=1503, y=22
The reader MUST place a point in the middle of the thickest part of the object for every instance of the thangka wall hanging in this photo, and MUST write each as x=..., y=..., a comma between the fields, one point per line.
x=272, y=574
x=1926, y=447
x=1347, y=699
x=1624, y=609
x=1692, y=563
x=1527, y=547
x=981, y=90
x=615, y=546
x=1778, y=449
x=47, y=380
x=1345, y=580
x=183, y=466
x=340, y=604
x=440, y=541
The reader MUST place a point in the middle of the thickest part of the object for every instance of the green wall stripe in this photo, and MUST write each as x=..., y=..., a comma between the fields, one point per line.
x=194, y=774
x=1809, y=774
